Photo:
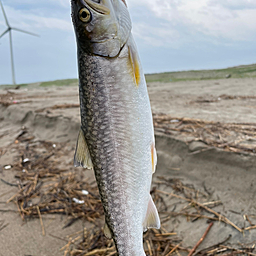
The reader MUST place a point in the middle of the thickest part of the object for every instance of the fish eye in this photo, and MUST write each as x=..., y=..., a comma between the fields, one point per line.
x=84, y=15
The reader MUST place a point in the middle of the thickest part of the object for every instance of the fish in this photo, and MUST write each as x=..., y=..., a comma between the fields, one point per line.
x=116, y=138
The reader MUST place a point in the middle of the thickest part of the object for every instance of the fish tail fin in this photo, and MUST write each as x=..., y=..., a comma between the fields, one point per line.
x=152, y=219
x=82, y=156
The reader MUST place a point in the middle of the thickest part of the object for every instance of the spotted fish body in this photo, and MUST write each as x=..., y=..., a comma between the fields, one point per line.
x=116, y=137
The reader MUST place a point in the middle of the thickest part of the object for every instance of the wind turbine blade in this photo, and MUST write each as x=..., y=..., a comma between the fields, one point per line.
x=5, y=17
x=4, y=32
x=23, y=31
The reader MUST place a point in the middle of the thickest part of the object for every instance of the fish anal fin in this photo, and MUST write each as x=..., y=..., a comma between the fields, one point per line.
x=82, y=156
x=134, y=62
x=152, y=219
x=153, y=157
x=107, y=231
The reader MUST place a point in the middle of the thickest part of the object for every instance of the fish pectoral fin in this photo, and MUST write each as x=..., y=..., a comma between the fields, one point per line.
x=82, y=155
x=107, y=231
x=152, y=218
x=135, y=66
x=153, y=157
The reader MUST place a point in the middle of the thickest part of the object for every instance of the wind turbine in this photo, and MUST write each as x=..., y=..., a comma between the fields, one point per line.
x=9, y=30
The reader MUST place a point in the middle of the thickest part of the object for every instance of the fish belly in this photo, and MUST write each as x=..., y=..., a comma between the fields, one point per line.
x=118, y=128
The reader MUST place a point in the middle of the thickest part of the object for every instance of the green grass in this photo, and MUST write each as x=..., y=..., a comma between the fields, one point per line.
x=65, y=82
x=235, y=72
x=10, y=86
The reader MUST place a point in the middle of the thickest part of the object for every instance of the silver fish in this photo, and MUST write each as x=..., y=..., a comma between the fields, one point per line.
x=116, y=137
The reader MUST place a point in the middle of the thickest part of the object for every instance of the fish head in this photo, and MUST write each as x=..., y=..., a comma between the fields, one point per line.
x=102, y=27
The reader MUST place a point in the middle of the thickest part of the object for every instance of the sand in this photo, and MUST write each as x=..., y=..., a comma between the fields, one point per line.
x=228, y=176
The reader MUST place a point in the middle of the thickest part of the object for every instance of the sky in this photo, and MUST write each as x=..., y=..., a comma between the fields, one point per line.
x=171, y=35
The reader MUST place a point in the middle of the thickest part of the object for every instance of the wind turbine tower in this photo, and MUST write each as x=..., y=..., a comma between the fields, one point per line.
x=9, y=30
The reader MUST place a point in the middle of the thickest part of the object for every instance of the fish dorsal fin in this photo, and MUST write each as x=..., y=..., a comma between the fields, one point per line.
x=152, y=219
x=107, y=231
x=153, y=157
x=82, y=156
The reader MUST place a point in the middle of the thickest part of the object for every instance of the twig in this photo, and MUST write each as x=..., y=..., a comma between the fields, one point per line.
x=250, y=228
x=2, y=226
x=201, y=239
x=99, y=251
x=8, y=183
x=166, y=234
x=237, y=250
x=221, y=217
x=41, y=220
x=213, y=246
x=174, y=249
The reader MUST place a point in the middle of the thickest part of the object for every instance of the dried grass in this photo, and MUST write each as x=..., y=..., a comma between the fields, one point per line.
x=233, y=137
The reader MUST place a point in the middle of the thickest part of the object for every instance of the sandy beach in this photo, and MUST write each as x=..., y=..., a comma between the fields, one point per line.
x=199, y=162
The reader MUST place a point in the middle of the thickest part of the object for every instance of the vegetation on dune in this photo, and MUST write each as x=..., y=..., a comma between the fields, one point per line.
x=234, y=72
x=65, y=82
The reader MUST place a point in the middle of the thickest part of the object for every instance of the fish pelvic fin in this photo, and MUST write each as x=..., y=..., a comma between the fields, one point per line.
x=152, y=219
x=107, y=231
x=82, y=156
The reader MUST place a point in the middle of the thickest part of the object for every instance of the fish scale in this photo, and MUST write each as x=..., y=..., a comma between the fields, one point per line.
x=117, y=137
x=102, y=150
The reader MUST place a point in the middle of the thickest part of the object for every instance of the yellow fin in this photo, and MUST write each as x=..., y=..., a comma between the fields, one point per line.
x=152, y=218
x=82, y=156
x=153, y=157
x=135, y=66
x=107, y=231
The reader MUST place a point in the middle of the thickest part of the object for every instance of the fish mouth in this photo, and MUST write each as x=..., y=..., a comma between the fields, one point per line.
x=99, y=8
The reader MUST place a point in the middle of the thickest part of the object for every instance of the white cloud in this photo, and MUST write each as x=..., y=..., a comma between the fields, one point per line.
x=157, y=36
x=34, y=19
x=226, y=19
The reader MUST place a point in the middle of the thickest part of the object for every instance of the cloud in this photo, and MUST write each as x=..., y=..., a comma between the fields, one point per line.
x=157, y=36
x=35, y=17
x=219, y=19
x=28, y=4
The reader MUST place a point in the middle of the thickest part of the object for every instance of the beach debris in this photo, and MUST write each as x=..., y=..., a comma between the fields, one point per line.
x=85, y=192
x=46, y=188
x=3, y=225
x=77, y=201
x=26, y=160
x=8, y=167
x=201, y=239
x=233, y=137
